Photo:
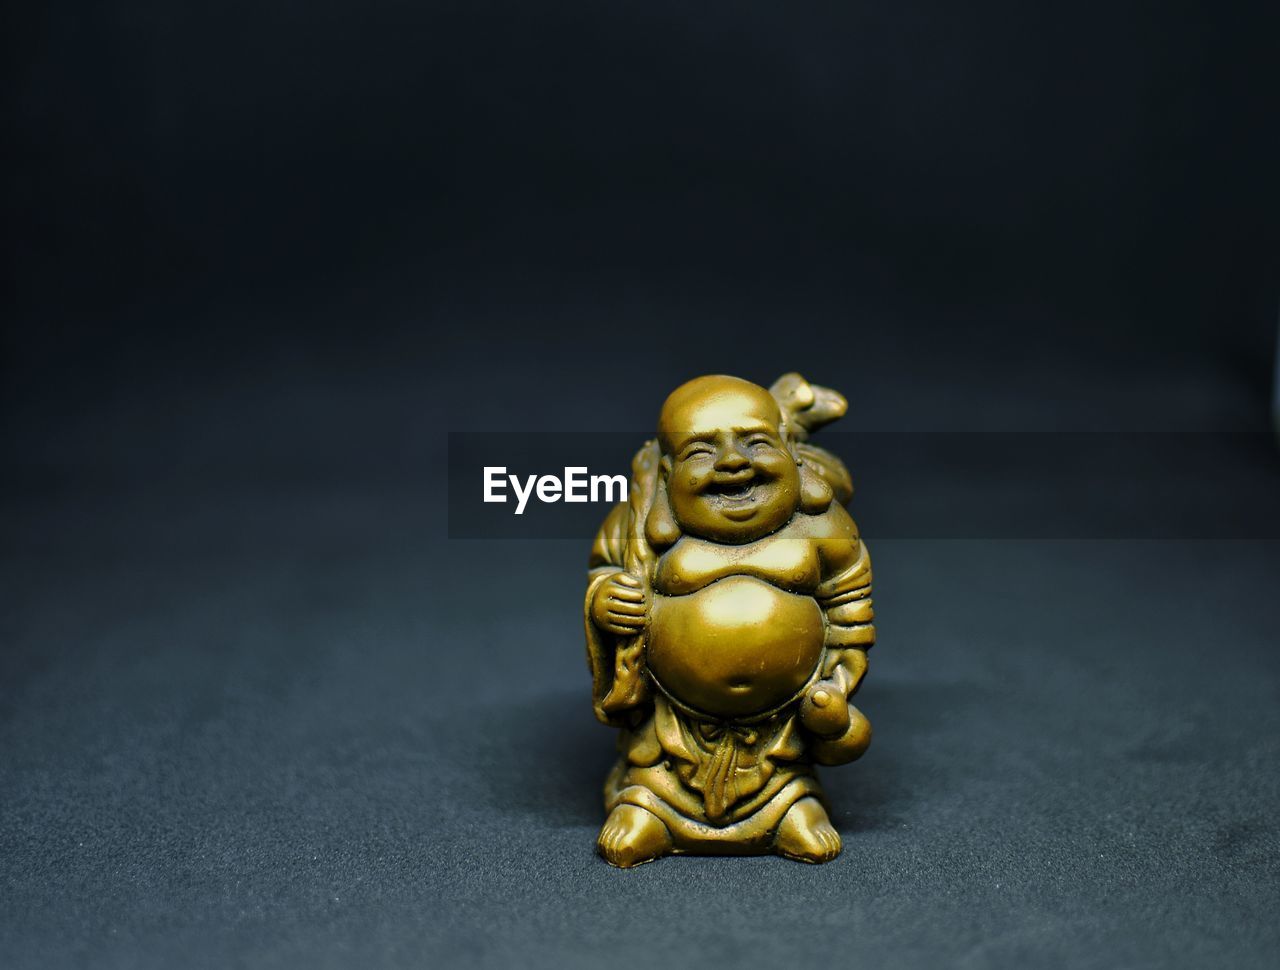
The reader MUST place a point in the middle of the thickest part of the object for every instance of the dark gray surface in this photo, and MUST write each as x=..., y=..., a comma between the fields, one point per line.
x=270, y=719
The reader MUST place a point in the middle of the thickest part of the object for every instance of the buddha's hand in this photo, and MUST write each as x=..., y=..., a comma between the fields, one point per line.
x=619, y=605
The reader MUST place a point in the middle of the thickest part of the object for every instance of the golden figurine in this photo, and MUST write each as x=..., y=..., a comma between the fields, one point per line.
x=728, y=619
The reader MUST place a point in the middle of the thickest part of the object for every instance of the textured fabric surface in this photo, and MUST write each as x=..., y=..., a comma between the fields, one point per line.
x=279, y=725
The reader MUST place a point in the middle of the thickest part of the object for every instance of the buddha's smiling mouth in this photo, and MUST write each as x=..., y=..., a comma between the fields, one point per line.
x=734, y=494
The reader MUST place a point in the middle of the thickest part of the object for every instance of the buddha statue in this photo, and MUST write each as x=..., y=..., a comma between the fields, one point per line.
x=728, y=618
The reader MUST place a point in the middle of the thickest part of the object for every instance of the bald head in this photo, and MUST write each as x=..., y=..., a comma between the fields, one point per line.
x=729, y=474
x=717, y=402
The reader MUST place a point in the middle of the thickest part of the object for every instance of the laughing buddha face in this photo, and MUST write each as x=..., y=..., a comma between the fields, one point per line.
x=730, y=476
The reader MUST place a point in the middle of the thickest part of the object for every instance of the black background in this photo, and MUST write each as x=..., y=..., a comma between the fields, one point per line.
x=257, y=709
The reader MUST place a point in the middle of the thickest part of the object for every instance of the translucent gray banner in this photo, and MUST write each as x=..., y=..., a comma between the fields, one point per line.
x=998, y=485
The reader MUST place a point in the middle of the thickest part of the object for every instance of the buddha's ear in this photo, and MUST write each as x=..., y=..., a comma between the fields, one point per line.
x=815, y=493
x=660, y=527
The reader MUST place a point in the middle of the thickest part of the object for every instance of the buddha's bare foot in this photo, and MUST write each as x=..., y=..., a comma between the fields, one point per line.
x=806, y=834
x=632, y=835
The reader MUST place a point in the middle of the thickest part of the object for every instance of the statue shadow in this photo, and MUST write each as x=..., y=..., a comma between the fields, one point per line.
x=554, y=757
x=889, y=785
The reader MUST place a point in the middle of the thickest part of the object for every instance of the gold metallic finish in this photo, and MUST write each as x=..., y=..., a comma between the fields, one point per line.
x=728, y=618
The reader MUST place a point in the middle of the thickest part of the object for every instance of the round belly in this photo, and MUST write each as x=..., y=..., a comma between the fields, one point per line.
x=737, y=647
